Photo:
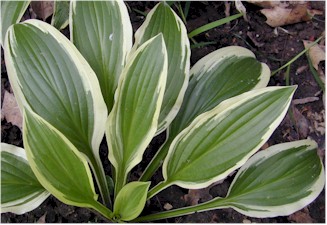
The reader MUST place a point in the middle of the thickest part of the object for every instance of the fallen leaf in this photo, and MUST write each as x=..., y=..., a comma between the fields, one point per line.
x=167, y=206
x=195, y=195
x=246, y=221
x=302, y=216
x=42, y=218
x=240, y=7
x=10, y=110
x=268, y=4
x=42, y=9
x=280, y=16
x=316, y=53
x=317, y=121
x=302, y=124
x=304, y=100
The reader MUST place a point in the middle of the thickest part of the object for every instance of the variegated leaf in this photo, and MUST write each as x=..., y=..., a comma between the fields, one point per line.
x=221, y=140
x=58, y=165
x=278, y=181
x=224, y=73
x=162, y=19
x=21, y=192
x=11, y=13
x=60, y=18
x=51, y=77
x=102, y=32
x=134, y=118
x=131, y=200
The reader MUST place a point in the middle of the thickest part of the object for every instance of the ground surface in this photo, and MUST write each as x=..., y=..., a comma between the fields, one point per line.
x=273, y=49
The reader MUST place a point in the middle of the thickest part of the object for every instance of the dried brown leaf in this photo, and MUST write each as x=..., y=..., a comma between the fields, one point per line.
x=304, y=100
x=167, y=206
x=316, y=53
x=195, y=195
x=268, y=4
x=280, y=16
x=43, y=9
x=10, y=110
x=301, y=123
x=302, y=216
x=42, y=218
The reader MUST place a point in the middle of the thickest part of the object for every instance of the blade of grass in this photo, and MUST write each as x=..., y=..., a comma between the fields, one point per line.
x=187, y=8
x=214, y=24
x=140, y=12
x=201, y=44
x=296, y=57
x=315, y=74
x=181, y=12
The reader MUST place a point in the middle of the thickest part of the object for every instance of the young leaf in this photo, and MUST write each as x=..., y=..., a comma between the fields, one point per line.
x=60, y=18
x=134, y=118
x=221, y=140
x=11, y=13
x=102, y=32
x=51, y=77
x=222, y=74
x=275, y=182
x=162, y=19
x=278, y=181
x=57, y=164
x=131, y=200
x=21, y=192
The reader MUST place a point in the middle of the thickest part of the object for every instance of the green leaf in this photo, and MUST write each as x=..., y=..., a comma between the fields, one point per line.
x=21, y=192
x=222, y=74
x=134, y=118
x=50, y=77
x=11, y=13
x=162, y=19
x=60, y=18
x=102, y=32
x=57, y=164
x=221, y=140
x=214, y=24
x=131, y=201
x=278, y=181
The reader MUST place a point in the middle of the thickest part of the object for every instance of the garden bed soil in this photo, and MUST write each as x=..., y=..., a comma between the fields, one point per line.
x=269, y=47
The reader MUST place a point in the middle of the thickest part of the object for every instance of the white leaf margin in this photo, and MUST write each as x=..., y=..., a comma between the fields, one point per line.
x=88, y=77
x=284, y=210
x=114, y=113
x=186, y=48
x=209, y=61
x=31, y=201
x=219, y=113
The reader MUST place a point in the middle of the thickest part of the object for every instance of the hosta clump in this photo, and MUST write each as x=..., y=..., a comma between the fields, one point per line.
x=217, y=116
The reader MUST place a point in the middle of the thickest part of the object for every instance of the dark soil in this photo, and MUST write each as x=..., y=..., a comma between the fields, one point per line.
x=275, y=50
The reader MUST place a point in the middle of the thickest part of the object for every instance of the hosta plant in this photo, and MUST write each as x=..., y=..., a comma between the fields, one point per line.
x=216, y=115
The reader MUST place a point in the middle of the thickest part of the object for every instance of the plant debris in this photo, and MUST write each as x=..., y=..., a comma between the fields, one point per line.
x=10, y=110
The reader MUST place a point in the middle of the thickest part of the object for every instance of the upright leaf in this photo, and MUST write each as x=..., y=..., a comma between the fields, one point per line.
x=21, y=192
x=60, y=17
x=222, y=74
x=221, y=140
x=57, y=164
x=102, y=32
x=11, y=13
x=131, y=201
x=134, y=118
x=162, y=19
x=51, y=77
